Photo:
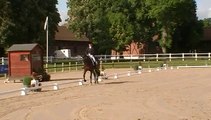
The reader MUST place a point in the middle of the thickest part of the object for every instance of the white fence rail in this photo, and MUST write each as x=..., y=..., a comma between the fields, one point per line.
x=157, y=57
x=75, y=62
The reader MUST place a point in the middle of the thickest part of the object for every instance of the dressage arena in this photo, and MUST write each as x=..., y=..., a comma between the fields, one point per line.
x=172, y=94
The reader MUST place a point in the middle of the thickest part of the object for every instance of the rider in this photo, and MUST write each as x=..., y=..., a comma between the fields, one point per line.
x=90, y=52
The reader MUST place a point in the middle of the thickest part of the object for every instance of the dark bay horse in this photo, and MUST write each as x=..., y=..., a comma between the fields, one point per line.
x=88, y=66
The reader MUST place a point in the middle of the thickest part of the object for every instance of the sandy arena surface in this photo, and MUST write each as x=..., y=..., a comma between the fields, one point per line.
x=178, y=94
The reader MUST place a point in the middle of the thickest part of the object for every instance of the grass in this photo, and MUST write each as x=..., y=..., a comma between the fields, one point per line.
x=67, y=66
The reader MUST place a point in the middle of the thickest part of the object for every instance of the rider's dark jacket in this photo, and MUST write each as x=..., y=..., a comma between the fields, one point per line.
x=89, y=51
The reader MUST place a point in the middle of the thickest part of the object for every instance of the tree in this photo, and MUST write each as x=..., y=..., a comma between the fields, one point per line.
x=169, y=14
x=88, y=17
x=187, y=36
x=118, y=23
x=207, y=22
x=23, y=21
x=114, y=23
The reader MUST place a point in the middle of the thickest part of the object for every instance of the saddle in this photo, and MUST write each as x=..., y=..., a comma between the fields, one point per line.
x=94, y=63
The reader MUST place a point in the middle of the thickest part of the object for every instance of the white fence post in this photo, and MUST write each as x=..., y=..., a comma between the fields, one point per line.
x=169, y=56
x=209, y=56
x=144, y=57
x=54, y=67
x=183, y=56
x=62, y=67
x=46, y=66
x=156, y=57
x=196, y=56
x=76, y=66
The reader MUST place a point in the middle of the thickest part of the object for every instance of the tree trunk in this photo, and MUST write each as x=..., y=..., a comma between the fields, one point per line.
x=164, y=39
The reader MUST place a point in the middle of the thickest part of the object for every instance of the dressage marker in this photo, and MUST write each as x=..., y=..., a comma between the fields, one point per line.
x=56, y=86
x=23, y=91
x=80, y=82
x=116, y=76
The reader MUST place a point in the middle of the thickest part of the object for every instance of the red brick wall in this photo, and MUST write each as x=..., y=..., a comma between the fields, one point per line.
x=132, y=49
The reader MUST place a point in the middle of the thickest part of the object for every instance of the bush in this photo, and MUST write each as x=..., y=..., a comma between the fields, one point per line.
x=27, y=81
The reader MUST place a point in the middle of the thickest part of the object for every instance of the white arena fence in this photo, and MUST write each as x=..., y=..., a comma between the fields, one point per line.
x=75, y=63
x=144, y=57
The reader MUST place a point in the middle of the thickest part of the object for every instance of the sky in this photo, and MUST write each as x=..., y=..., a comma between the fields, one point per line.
x=203, y=9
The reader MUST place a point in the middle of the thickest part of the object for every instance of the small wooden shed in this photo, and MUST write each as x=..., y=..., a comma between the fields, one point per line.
x=23, y=59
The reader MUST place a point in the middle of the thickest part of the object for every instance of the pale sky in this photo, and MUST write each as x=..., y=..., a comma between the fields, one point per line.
x=203, y=9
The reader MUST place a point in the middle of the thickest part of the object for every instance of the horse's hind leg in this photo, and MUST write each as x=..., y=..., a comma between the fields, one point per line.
x=84, y=75
x=95, y=77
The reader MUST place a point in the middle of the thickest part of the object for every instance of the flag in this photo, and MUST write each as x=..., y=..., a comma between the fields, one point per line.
x=46, y=23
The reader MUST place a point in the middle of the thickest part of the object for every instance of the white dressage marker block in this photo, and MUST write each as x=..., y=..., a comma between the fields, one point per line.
x=128, y=74
x=139, y=71
x=172, y=68
x=149, y=70
x=99, y=78
x=158, y=69
x=80, y=82
x=55, y=86
x=23, y=91
x=116, y=76
x=7, y=80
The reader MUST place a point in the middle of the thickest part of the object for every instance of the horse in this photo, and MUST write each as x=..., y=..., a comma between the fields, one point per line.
x=94, y=69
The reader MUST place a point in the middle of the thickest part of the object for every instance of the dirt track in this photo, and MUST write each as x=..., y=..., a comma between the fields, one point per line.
x=179, y=94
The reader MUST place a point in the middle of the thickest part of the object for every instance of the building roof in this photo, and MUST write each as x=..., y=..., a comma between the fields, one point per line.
x=207, y=34
x=64, y=34
x=22, y=47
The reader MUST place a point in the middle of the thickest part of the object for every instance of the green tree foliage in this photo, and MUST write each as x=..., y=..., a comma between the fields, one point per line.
x=87, y=17
x=115, y=24
x=22, y=21
x=109, y=24
x=187, y=36
x=170, y=14
x=207, y=22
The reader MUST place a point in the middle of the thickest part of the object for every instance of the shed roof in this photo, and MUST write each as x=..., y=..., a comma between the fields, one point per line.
x=64, y=34
x=22, y=47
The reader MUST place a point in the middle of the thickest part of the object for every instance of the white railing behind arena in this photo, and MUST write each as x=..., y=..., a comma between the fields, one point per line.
x=160, y=56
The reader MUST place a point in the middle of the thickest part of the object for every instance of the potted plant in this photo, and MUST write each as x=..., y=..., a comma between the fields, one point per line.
x=27, y=81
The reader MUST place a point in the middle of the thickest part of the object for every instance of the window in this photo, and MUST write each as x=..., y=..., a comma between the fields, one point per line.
x=24, y=57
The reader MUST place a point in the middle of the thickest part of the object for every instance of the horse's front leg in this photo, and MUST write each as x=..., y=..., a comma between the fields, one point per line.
x=84, y=75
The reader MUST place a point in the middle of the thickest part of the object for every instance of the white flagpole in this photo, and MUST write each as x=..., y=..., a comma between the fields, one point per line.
x=46, y=28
